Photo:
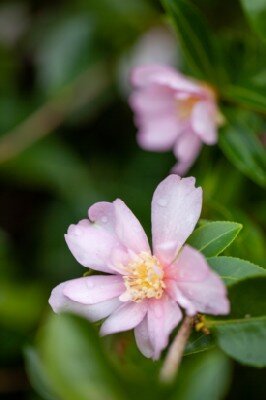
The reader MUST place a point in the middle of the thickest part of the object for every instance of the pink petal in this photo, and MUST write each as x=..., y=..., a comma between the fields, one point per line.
x=190, y=266
x=91, y=245
x=60, y=303
x=164, y=75
x=158, y=133
x=163, y=316
x=175, y=294
x=117, y=218
x=176, y=207
x=126, y=317
x=142, y=338
x=93, y=289
x=208, y=296
x=204, y=121
x=186, y=150
x=152, y=100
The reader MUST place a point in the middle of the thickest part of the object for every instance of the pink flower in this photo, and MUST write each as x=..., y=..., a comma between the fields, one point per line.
x=173, y=112
x=142, y=290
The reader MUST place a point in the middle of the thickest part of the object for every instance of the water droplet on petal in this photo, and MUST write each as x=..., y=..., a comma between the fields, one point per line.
x=104, y=220
x=162, y=201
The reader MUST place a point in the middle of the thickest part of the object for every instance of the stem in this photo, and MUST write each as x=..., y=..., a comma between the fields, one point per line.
x=171, y=363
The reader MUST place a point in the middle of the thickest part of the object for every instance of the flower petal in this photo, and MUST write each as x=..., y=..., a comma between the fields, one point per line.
x=158, y=133
x=164, y=75
x=152, y=100
x=93, y=289
x=163, y=316
x=208, y=296
x=60, y=303
x=91, y=245
x=176, y=207
x=186, y=150
x=119, y=220
x=190, y=266
x=142, y=338
x=204, y=121
x=126, y=317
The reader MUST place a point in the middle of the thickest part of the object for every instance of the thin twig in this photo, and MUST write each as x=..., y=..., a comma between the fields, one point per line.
x=84, y=89
x=171, y=363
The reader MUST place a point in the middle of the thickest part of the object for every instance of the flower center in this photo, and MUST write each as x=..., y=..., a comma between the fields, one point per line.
x=145, y=278
x=184, y=107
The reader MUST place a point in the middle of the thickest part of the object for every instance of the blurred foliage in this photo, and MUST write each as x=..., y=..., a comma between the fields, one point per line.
x=67, y=140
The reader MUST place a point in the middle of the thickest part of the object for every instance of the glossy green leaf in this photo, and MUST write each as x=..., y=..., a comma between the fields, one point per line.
x=233, y=270
x=203, y=376
x=75, y=362
x=244, y=341
x=256, y=14
x=194, y=38
x=242, y=334
x=244, y=150
x=212, y=238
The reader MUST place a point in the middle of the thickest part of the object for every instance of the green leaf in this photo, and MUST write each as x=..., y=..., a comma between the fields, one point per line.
x=256, y=14
x=204, y=376
x=37, y=375
x=194, y=38
x=244, y=341
x=212, y=238
x=249, y=96
x=233, y=270
x=244, y=150
x=242, y=334
x=75, y=362
x=198, y=342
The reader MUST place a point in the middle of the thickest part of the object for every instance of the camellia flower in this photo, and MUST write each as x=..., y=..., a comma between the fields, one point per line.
x=142, y=290
x=173, y=112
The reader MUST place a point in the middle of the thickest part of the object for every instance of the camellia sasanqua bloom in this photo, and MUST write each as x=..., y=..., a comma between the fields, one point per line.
x=144, y=290
x=173, y=112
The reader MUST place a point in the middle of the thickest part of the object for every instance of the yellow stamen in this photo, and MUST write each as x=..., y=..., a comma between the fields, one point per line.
x=145, y=278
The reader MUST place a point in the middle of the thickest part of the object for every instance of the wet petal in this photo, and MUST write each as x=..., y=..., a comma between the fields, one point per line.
x=163, y=316
x=176, y=207
x=95, y=312
x=120, y=222
x=93, y=289
x=126, y=317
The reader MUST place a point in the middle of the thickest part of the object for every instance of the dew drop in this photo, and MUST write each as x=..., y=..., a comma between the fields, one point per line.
x=162, y=201
x=104, y=220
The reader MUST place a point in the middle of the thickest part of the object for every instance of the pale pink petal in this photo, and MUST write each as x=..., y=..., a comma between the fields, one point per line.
x=158, y=133
x=187, y=148
x=142, y=338
x=208, y=296
x=164, y=75
x=91, y=245
x=203, y=121
x=152, y=100
x=126, y=317
x=175, y=294
x=95, y=288
x=117, y=218
x=163, y=316
x=95, y=312
x=190, y=266
x=176, y=207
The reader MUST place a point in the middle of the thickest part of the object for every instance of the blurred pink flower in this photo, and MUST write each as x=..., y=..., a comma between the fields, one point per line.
x=173, y=112
x=142, y=290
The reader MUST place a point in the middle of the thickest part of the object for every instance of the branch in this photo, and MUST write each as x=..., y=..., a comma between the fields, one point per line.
x=171, y=363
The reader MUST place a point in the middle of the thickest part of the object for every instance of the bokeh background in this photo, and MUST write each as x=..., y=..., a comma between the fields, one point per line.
x=67, y=139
